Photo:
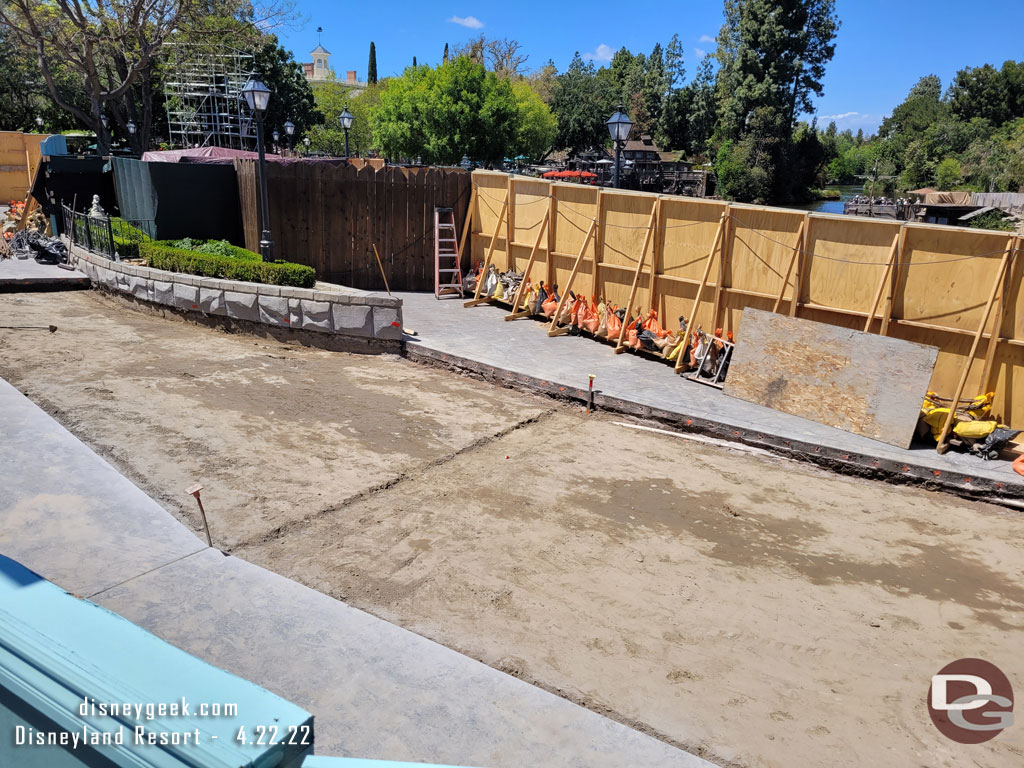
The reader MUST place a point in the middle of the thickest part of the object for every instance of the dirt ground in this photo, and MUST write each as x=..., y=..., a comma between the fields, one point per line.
x=754, y=610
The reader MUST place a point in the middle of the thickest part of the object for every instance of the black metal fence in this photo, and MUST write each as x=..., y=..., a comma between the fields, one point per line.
x=108, y=236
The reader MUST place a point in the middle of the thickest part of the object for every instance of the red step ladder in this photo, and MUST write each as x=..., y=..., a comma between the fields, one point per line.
x=447, y=272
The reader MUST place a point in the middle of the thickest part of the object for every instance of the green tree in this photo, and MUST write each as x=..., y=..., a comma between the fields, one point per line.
x=441, y=114
x=581, y=102
x=543, y=81
x=331, y=98
x=948, y=174
x=537, y=126
x=371, y=66
x=291, y=95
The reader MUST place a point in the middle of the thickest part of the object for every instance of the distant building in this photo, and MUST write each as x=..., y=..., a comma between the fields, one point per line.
x=320, y=67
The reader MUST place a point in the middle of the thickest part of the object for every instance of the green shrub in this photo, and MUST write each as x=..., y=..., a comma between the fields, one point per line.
x=214, y=247
x=127, y=238
x=166, y=255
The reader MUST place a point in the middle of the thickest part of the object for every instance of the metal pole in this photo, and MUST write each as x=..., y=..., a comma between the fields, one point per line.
x=346, y=143
x=266, y=244
x=615, y=181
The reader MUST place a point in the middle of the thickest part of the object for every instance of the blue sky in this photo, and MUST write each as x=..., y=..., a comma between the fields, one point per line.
x=882, y=48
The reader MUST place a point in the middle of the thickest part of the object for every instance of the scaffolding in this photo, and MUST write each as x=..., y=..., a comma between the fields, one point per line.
x=203, y=97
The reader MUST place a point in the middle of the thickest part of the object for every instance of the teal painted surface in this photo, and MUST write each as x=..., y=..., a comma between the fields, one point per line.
x=60, y=653
x=352, y=762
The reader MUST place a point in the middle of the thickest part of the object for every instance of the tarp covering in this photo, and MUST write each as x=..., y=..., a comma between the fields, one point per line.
x=175, y=200
x=205, y=153
x=961, y=197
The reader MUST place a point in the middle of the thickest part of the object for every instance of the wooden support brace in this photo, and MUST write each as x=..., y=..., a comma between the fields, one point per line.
x=942, y=446
x=619, y=346
x=517, y=301
x=890, y=265
x=555, y=330
x=997, y=326
x=894, y=281
x=789, y=270
x=801, y=265
x=728, y=235
x=467, y=224
x=487, y=261
x=701, y=287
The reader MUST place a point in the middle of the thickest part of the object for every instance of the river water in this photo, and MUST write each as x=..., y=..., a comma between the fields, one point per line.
x=846, y=192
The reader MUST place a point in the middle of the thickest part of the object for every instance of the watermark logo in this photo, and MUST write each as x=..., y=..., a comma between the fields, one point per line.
x=970, y=701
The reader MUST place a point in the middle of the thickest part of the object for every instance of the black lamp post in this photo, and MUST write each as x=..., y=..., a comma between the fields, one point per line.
x=257, y=96
x=619, y=126
x=277, y=139
x=131, y=131
x=289, y=129
x=306, y=142
x=39, y=123
x=346, y=122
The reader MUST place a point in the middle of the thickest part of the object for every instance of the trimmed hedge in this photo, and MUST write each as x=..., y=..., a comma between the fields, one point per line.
x=127, y=238
x=214, y=248
x=164, y=255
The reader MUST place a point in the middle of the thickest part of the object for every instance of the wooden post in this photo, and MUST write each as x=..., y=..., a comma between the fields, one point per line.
x=703, y=284
x=801, y=265
x=728, y=235
x=789, y=269
x=894, y=281
x=657, y=258
x=636, y=275
x=510, y=225
x=885, y=278
x=552, y=223
x=487, y=261
x=554, y=330
x=516, y=311
x=467, y=225
x=942, y=446
x=598, y=244
x=993, y=342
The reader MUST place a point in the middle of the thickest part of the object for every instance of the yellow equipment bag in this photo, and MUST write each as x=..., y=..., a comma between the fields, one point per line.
x=974, y=429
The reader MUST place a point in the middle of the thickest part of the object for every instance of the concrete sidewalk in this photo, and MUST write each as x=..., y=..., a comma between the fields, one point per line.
x=30, y=275
x=521, y=354
x=377, y=691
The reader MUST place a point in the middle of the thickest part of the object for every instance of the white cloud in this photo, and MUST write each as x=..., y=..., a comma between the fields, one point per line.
x=472, y=22
x=700, y=53
x=841, y=116
x=706, y=39
x=601, y=53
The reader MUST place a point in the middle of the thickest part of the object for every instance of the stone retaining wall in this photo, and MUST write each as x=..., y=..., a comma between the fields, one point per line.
x=337, y=312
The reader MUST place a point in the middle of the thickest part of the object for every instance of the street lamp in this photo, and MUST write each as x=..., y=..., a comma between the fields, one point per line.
x=466, y=162
x=619, y=126
x=346, y=122
x=257, y=96
x=289, y=129
x=306, y=142
x=39, y=123
x=131, y=128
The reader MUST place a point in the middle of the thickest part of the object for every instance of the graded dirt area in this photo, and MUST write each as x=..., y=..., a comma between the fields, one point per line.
x=754, y=610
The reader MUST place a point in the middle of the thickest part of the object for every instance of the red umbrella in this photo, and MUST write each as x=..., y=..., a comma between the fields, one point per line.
x=588, y=175
x=550, y=175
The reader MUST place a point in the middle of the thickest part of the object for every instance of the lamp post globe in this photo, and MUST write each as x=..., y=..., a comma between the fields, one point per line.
x=289, y=130
x=257, y=97
x=131, y=127
x=619, y=126
x=39, y=122
x=346, y=119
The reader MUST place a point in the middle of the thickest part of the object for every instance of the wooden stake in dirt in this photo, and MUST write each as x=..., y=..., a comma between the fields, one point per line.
x=942, y=446
x=381, y=269
x=619, y=346
x=194, y=490
x=554, y=330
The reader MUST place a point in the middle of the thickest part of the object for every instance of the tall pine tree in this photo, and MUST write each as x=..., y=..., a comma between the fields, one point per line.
x=371, y=67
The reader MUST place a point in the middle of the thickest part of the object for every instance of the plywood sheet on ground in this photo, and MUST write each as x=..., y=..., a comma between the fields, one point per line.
x=858, y=382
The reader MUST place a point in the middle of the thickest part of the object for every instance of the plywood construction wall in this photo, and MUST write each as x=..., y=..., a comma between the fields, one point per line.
x=919, y=282
x=329, y=215
x=19, y=158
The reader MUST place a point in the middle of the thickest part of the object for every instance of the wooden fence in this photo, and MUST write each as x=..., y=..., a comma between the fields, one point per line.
x=19, y=157
x=710, y=260
x=330, y=216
